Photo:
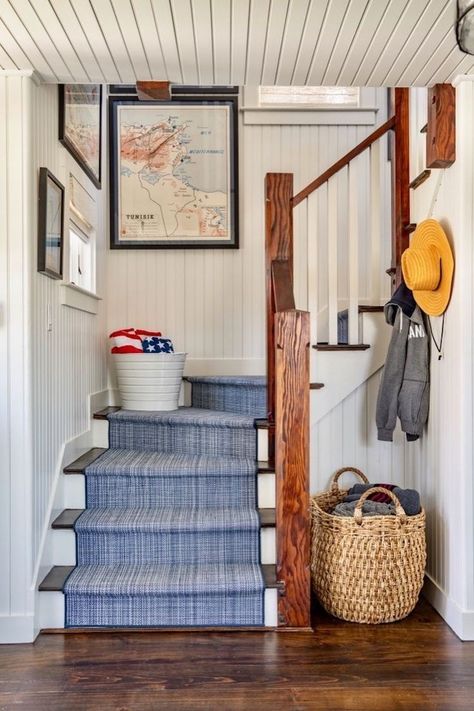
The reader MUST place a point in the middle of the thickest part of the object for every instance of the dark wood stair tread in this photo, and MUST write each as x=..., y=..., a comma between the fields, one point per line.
x=78, y=466
x=264, y=424
x=103, y=414
x=267, y=517
x=316, y=386
x=341, y=347
x=67, y=518
x=365, y=309
x=55, y=580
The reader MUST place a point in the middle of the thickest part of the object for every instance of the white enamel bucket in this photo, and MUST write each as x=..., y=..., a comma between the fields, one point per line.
x=151, y=381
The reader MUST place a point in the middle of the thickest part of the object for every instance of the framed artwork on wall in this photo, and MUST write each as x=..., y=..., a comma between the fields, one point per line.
x=50, y=225
x=173, y=172
x=80, y=126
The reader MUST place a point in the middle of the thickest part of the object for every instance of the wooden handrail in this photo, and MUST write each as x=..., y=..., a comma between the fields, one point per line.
x=342, y=162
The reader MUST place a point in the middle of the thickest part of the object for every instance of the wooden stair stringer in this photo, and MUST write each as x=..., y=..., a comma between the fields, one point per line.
x=344, y=371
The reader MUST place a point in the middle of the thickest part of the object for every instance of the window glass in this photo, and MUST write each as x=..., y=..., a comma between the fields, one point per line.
x=310, y=95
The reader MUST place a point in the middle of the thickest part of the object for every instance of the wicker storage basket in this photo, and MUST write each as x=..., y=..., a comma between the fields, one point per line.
x=366, y=569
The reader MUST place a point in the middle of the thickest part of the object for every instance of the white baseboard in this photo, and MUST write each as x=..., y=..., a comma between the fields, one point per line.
x=17, y=629
x=461, y=621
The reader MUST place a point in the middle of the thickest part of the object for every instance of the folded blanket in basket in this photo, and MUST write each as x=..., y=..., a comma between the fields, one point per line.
x=408, y=498
x=369, y=508
x=154, y=344
x=126, y=341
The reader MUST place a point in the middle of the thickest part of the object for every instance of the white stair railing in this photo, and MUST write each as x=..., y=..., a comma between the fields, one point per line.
x=348, y=227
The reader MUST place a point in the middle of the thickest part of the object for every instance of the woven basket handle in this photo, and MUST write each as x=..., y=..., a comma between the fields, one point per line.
x=399, y=510
x=340, y=472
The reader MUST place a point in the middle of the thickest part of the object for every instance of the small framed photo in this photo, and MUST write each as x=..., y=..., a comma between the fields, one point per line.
x=50, y=225
x=80, y=126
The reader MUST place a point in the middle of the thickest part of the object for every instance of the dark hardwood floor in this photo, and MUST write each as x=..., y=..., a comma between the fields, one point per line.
x=412, y=665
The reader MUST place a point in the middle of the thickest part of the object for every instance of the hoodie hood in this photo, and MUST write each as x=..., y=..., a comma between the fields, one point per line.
x=402, y=300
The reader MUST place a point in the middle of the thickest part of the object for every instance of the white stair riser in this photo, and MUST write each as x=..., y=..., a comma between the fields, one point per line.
x=63, y=542
x=63, y=546
x=262, y=445
x=266, y=490
x=52, y=609
x=100, y=438
x=75, y=498
x=74, y=491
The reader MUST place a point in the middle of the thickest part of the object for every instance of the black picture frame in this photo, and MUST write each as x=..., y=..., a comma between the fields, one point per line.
x=65, y=136
x=50, y=225
x=230, y=100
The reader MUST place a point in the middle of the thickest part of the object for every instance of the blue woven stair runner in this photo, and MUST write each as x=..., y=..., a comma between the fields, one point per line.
x=246, y=395
x=132, y=478
x=168, y=535
x=164, y=595
x=188, y=430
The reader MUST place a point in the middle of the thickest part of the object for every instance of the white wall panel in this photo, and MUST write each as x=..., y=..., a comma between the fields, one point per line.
x=440, y=465
x=347, y=436
x=69, y=361
x=46, y=376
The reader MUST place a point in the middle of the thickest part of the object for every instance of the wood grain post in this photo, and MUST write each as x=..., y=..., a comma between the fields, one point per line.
x=400, y=181
x=292, y=333
x=441, y=127
x=278, y=246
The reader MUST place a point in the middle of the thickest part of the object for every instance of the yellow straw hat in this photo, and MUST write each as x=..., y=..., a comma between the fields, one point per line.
x=428, y=267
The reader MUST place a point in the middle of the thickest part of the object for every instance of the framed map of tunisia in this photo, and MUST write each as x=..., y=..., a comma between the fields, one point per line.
x=173, y=173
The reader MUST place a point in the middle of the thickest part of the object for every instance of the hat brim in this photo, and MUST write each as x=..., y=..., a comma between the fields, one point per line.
x=429, y=233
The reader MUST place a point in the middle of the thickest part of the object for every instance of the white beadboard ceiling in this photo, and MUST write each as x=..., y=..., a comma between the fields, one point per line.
x=314, y=42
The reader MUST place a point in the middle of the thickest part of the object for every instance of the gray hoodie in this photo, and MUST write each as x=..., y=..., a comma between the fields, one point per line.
x=405, y=387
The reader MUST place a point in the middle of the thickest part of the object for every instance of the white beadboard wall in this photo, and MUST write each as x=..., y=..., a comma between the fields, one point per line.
x=211, y=302
x=440, y=465
x=68, y=362
x=46, y=376
x=16, y=417
x=347, y=436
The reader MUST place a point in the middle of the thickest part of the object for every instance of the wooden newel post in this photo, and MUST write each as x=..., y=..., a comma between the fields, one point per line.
x=278, y=246
x=292, y=337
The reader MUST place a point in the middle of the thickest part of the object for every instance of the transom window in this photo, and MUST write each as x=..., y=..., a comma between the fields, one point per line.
x=317, y=96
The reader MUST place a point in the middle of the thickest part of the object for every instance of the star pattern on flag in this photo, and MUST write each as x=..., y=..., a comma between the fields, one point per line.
x=154, y=344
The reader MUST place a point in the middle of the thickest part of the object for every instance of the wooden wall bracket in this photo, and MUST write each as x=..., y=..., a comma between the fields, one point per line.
x=420, y=179
x=441, y=131
x=154, y=90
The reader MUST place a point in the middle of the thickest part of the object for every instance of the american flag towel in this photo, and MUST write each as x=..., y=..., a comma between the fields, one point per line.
x=155, y=344
x=126, y=340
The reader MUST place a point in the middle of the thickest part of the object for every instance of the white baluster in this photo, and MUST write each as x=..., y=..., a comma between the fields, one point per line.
x=332, y=213
x=375, y=223
x=313, y=275
x=354, y=177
